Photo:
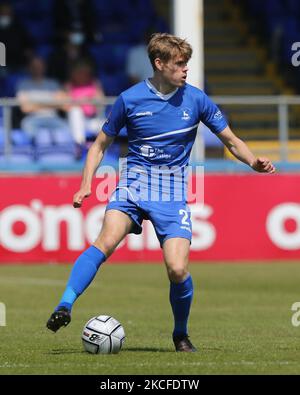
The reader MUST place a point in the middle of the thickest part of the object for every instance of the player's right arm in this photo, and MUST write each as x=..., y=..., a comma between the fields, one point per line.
x=94, y=158
x=110, y=129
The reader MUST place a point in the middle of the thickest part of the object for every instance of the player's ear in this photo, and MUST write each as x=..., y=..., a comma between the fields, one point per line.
x=158, y=64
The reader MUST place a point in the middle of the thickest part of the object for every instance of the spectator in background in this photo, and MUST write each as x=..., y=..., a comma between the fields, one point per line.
x=72, y=49
x=138, y=66
x=73, y=15
x=84, y=117
x=34, y=94
x=16, y=40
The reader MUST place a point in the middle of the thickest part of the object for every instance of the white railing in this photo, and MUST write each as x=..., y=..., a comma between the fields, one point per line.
x=9, y=103
x=282, y=103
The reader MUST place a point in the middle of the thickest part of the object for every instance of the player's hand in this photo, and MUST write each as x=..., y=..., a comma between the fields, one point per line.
x=80, y=195
x=263, y=165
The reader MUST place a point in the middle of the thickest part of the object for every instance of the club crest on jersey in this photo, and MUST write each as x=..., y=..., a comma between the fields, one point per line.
x=185, y=114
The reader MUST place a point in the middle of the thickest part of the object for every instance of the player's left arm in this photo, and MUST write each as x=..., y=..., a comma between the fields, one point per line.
x=241, y=151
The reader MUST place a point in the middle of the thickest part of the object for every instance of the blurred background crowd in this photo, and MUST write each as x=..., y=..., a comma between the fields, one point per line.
x=71, y=49
x=94, y=49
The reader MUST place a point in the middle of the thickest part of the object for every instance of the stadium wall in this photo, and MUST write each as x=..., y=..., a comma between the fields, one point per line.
x=244, y=217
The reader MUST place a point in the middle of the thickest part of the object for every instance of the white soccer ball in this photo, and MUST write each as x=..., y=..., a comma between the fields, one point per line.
x=103, y=335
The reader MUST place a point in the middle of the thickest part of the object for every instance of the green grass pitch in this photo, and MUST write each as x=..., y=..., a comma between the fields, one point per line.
x=240, y=320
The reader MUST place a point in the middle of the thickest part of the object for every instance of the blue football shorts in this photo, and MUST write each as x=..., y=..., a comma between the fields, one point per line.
x=170, y=219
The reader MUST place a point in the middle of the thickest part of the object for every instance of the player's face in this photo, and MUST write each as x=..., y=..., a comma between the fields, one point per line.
x=175, y=71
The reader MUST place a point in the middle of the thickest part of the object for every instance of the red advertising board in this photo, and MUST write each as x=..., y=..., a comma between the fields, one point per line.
x=244, y=217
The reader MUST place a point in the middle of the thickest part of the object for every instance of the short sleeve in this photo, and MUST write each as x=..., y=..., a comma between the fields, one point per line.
x=116, y=119
x=212, y=116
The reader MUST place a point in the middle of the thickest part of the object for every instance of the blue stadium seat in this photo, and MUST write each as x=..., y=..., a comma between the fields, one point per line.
x=54, y=147
x=21, y=149
x=32, y=9
x=104, y=9
x=10, y=83
x=52, y=156
x=17, y=158
x=124, y=21
x=62, y=138
x=116, y=33
x=19, y=138
x=109, y=57
x=48, y=138
x=114, y=84
x=22, y=154
x=43, y=138
x=44, y=51
x=293, y=7
x=40, y=30
x=273, y=7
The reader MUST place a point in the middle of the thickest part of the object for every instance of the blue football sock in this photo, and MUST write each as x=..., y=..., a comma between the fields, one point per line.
x=181, y=295
x=83, y=272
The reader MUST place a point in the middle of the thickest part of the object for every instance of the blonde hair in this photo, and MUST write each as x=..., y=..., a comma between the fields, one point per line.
x=166, y=46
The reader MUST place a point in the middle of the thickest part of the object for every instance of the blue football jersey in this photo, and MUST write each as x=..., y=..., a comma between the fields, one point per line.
x=161, y=131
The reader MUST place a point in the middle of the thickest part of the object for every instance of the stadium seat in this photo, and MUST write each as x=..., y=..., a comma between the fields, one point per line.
x=21, y=151
x=293, y=7
x=114, y=84
x=104, y=9
x=17, y=159
x=56, y=138
x=32, y=8
x=20, y=138
x=55, y=154
x=44, y=51
x=40, y=30
x=54, y=146
x=109, y=57
x=36, y=17
x=56, y=158
x=62, y=137
x=43, y=138
x=10, y=83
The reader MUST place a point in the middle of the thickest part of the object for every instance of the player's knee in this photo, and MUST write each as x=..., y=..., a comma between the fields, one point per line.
x=177, y=273
x=106, y=245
